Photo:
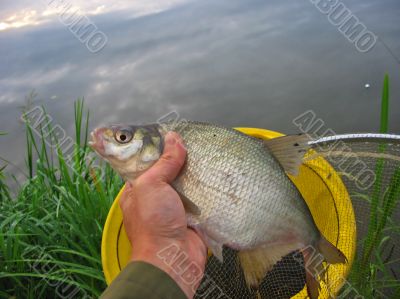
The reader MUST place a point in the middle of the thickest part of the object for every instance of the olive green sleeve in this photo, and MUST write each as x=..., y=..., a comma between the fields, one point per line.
x=140, y=280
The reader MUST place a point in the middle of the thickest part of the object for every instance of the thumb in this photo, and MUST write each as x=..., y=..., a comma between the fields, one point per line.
x=171, y=161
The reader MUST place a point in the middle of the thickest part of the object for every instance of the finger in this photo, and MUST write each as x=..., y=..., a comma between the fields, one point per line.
x=170, y=163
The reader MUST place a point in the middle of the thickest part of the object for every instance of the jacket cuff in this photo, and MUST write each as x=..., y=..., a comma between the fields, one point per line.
x=143, y=280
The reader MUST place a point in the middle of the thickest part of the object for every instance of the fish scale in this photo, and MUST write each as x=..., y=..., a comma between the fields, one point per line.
x=235, y=191
x=264, y=194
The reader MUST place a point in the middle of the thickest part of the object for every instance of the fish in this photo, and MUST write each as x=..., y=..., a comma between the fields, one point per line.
x=235, y=189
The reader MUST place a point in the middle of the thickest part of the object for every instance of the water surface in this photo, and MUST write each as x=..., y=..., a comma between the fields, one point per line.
x=238, y=63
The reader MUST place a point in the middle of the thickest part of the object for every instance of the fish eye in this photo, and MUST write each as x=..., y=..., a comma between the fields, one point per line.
x=123, y=136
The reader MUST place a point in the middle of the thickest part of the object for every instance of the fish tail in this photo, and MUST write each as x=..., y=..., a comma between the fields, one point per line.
x=324, y=251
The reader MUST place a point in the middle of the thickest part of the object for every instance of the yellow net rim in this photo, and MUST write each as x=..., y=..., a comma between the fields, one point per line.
x=115, y=247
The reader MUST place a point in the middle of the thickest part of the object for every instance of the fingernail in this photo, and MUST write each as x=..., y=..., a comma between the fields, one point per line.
x=170, y=138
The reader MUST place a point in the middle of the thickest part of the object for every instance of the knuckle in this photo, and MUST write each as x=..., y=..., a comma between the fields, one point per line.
x=167, y=157
x=137, y=182
x=144, y=184
x=170, y=160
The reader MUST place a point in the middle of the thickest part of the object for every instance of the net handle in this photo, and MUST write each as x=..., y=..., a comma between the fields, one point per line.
x=359, y=137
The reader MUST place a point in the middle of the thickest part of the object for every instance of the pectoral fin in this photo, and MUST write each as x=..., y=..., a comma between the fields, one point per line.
x=189, y=205
x=289, y=150
x=213, y=245
x=216, y=248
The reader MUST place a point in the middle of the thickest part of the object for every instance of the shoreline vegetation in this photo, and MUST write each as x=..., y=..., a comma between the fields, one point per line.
x=50, y=230
x=371, y=275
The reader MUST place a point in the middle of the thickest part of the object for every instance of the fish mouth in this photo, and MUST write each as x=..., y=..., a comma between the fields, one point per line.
x=93, y=140
x=97, y=139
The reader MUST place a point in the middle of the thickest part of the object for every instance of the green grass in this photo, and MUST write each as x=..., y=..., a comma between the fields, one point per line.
x=370, y=275
x=50, y=233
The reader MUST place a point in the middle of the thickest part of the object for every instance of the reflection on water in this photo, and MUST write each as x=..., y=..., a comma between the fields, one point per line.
x=254, y=63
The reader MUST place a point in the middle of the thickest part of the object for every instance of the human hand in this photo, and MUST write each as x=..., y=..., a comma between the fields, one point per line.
x=154, y=216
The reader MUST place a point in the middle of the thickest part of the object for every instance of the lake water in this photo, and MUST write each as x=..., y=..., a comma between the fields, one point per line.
x=237, y=63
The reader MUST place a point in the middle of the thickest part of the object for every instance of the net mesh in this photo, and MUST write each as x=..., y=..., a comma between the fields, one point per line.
x=352, y=188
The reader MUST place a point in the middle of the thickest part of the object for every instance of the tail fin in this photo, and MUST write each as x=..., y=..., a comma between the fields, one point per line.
x=315, y=271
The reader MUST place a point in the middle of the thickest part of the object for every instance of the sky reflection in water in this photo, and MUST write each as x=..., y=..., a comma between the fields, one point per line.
x=237, y=63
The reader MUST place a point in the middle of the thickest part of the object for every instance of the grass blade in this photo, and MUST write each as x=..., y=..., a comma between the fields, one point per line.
x=384, y=124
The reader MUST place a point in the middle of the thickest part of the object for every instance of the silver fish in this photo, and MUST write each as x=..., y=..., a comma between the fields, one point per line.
x=235, y=190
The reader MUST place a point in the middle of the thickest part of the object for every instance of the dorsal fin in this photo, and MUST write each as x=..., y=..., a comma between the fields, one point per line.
x=289, y=150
